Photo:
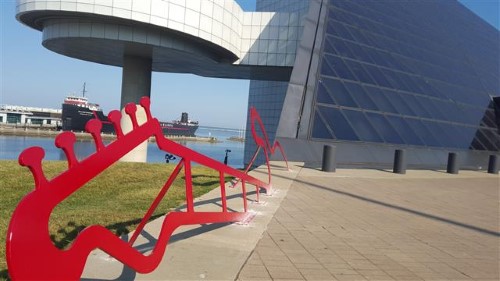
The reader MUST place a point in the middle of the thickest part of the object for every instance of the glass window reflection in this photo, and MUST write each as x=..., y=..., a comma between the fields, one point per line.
x=339, y=92
x=384, y=128
x=320, y=130
x=337, y=122
x=363, y=128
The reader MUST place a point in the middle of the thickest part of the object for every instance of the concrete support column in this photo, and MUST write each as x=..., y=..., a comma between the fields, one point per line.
x=136, y=83
x=136, y=79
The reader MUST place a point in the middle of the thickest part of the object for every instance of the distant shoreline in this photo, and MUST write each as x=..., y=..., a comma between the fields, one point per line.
x=238, y=139
x=50, y=133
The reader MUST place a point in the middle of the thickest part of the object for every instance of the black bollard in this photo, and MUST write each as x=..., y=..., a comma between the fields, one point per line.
x=452, y=167
x=328, y=163
x=399, y=162
x=493, y=166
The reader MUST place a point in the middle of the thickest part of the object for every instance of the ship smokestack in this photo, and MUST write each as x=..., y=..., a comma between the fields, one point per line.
x=184, y=117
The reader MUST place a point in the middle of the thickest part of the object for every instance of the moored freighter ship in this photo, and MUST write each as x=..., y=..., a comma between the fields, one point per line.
x=183, y=127
x=77, y=111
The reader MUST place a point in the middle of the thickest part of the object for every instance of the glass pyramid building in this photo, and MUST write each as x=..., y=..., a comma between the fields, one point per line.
x=374, y=76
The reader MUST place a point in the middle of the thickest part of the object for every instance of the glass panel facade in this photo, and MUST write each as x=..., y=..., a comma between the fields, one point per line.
x=387, y=76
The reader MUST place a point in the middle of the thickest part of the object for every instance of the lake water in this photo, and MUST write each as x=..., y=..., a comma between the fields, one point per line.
x=12, y=146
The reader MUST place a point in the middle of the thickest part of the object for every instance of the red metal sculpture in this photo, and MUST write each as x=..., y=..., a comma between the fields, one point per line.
x=263, y=143
x=30, y=252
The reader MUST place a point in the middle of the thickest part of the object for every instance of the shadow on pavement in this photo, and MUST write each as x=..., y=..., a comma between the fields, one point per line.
x=400, y=208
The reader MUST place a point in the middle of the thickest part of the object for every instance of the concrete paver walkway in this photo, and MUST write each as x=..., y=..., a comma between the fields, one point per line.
x=375, y=225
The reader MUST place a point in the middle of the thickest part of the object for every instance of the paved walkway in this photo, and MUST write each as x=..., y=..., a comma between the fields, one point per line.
x=375, y=225
x=348, y=225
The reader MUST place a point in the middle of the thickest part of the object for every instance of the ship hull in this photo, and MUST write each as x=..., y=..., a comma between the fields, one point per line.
x=74, y=118
x=172, y=129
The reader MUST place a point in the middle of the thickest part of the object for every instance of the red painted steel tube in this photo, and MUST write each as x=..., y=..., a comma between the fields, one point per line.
x=189, y=186
x=244, y=192
x=156, y=202
x=223, y=191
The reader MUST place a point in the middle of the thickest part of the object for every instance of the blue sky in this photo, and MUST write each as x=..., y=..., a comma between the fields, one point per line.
x=34, y=76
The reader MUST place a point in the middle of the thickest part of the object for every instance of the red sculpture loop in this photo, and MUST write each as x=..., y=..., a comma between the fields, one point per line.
x=30, y=251
x=262, y=143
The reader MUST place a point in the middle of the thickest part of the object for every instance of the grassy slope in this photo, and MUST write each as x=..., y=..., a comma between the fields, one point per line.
x=117, y=198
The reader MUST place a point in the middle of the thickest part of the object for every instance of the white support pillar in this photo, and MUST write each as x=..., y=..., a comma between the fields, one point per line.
x=136, y=83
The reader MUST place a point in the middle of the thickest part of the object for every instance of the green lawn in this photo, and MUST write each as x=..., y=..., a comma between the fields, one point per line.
x=117, y=198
